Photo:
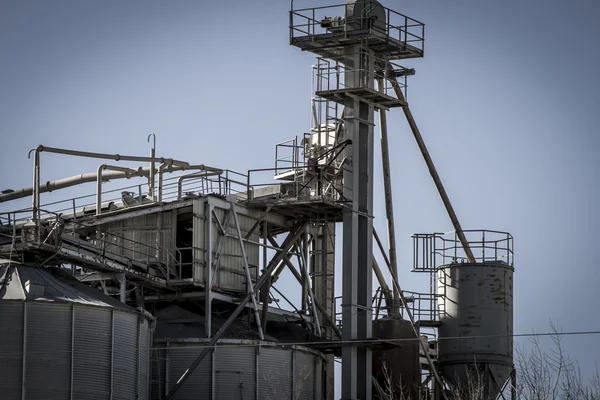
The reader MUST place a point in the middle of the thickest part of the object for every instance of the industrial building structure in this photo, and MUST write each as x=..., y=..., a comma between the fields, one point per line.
x=166, y=289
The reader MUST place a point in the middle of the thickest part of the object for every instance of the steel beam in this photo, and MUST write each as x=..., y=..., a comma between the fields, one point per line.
x=436, y=178
x=287, y=244
x=298, y=277
x=389, y=204
x=309, y=289
x=208, y=271
x=249, y=285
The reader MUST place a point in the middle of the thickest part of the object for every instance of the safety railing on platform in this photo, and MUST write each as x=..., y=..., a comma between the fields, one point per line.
x=343, y=19
x=174, y=188
x=102, y=247
x=330, y=75
x=423, y=306
x=287, y=156
x=431, y=251
x=375, y=303
x=310, y=182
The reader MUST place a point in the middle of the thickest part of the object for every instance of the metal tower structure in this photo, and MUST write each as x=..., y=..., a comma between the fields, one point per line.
x=359, y=45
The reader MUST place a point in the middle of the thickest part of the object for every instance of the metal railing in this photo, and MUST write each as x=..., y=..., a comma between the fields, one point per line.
x=312, y=22
x=423, y=306
x=431, y=251
x=100, y=246
x=80, y=207
x=287, y=156
x=330, y=75
x=308, y=184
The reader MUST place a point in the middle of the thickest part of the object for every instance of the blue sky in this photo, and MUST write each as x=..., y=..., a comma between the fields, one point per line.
x=506, y=99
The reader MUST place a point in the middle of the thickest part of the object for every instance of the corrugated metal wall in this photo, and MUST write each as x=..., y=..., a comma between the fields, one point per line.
x=235, y=373
x=157, y=374
x=11, y=356
x=275, y=374
x=304, y=378
x=144, y=238
x=47, y=351
x=65, y=351
x=230, y=274
x=244, y=372
x=125, y=362
x=92, y=343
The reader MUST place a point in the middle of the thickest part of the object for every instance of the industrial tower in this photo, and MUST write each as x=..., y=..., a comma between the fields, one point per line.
x=356, y=48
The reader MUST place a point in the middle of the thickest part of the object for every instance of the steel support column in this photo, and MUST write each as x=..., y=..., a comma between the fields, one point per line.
x=357, y=228
x=208, y=270
x=323, y=269
x=292, y=237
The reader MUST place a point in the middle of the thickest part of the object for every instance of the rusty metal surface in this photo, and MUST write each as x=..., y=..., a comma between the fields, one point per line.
x=476, y=314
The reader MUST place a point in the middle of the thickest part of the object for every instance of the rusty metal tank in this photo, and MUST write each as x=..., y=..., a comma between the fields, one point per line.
x=475, y=306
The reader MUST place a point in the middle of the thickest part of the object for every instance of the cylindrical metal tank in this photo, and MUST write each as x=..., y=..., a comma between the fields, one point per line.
x=475, y=305
x=64, y=340
x=237, y=369
x=399, y=365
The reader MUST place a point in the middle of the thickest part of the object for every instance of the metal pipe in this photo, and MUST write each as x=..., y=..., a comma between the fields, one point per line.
x=389, y=204
x=287, y=244
x=128, y=174
x=115, y=157
x=63, y=183
x=305, y=256
x=85, y=178
x=36, y=185
x=191, y=176
x=173, y=166
x=152, y=167
x=123, y=288
x=432, y=170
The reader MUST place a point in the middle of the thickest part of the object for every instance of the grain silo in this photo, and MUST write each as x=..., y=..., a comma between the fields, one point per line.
x=65, y=340
x=239, y=367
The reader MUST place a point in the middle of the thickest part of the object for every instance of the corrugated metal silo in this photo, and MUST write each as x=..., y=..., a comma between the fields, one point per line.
x=64, y=340
x=237, y=369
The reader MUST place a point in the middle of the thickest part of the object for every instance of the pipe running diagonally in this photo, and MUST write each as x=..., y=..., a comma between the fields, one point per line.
x=289, y=241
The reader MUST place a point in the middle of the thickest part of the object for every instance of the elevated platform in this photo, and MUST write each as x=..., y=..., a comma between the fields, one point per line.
x=328, y=29
x=315, y=209
x=371, y=96
x=66, y=253
x=331, y=45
